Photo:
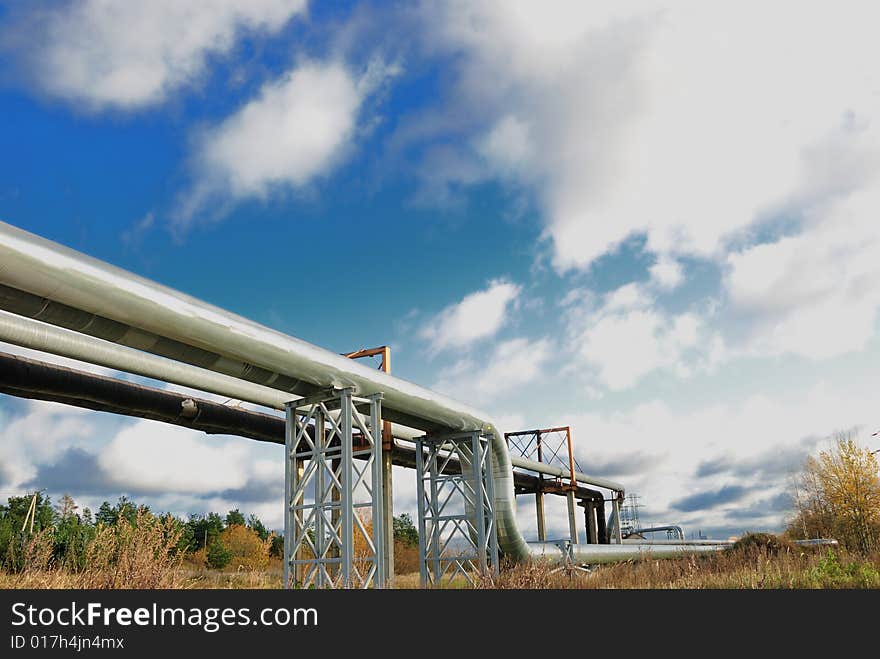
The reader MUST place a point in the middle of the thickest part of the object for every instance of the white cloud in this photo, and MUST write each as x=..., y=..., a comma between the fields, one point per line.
x=508, y=145
x=296, y=129
x=667, y=273
x=39, y=435
x=814, y=294
x=477, y=316
x=627, y=336
x=511, y=364
x=762, y=439
x=127, y=55
x=152, y=456
x=686, y=121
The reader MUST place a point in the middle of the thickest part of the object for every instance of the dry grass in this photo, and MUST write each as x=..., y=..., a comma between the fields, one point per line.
x=746, y=567
x=142, y=556
x=240, y=578
x=126, y=555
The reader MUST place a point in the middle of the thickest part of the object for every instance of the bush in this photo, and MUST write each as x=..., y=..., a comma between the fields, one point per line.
x=406, y=557
x=831, y=573
x=218, y=556
x=246, y=549
x=405, y=531
x=276, y=546
x=763, y=544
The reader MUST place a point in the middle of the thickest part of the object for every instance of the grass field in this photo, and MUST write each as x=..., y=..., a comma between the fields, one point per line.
x=763, y=563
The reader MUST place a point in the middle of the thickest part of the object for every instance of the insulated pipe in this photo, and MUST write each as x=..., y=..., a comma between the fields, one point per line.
x=643, y=541
x=654, y=529
x=36, y=335
x=543, y=468
x=47, y=281
x=29, y=378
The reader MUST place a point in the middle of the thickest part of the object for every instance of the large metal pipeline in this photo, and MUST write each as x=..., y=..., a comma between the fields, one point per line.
x=36, y=335
x=46, y=281
x=38, y=380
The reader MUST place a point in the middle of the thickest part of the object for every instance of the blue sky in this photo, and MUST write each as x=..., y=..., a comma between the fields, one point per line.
x=654, y=222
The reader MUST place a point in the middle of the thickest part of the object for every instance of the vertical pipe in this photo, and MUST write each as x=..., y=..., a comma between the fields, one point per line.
x=347, y=494
x=586, y=506
x=572, y=480
x=592, y=526
x=539, y=509
x=289, y=425
x=572, y=516
x=378, y=492
x=420, y=493
x=539, y=495
x=601, y=526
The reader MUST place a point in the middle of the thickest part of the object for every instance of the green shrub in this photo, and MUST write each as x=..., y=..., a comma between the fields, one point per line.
x=831, y=573
x=218, y=555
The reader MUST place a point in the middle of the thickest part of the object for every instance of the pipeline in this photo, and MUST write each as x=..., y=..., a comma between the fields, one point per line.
x=653, y=529
x=39, y=336
x=54, y=284
x=29, y=378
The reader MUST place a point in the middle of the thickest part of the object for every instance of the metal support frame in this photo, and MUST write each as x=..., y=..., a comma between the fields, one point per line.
x=457, y=531
x=572, y=517
x=552, y=446
x=615, y=505
x=539, y=509
x=384, y=352
x=332, y=498
x=591, y=522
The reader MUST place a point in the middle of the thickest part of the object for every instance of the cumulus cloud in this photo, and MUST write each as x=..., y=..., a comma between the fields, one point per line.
x=477, y=316
x=627, y=336
x=682, y=121
x=814, y=293
x=710, y=498
x=128, y=55
x=76, y=470
x=510, y=364
x=777, y=462
x=63, y=450
x=38, y=436
x=666, y=273
x=683, y=124
x=149, y=456
x=780, y=504
x=296, y=129
x=682, y=457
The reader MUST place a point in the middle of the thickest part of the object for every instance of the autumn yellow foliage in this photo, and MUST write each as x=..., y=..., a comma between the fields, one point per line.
x=249, y=552
x=838, y=495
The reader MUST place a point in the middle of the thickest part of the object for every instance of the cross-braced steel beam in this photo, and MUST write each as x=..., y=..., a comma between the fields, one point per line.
x=457, y=532
x=332, y=499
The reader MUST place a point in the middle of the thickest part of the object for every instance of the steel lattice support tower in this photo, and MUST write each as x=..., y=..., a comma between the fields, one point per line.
x=324, y=524
x=457, y=532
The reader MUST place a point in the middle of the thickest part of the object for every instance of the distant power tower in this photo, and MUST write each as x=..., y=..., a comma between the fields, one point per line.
x=629, y=514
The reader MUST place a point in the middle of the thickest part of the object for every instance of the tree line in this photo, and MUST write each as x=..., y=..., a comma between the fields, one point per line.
x=71, y=529
x=211, y=539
